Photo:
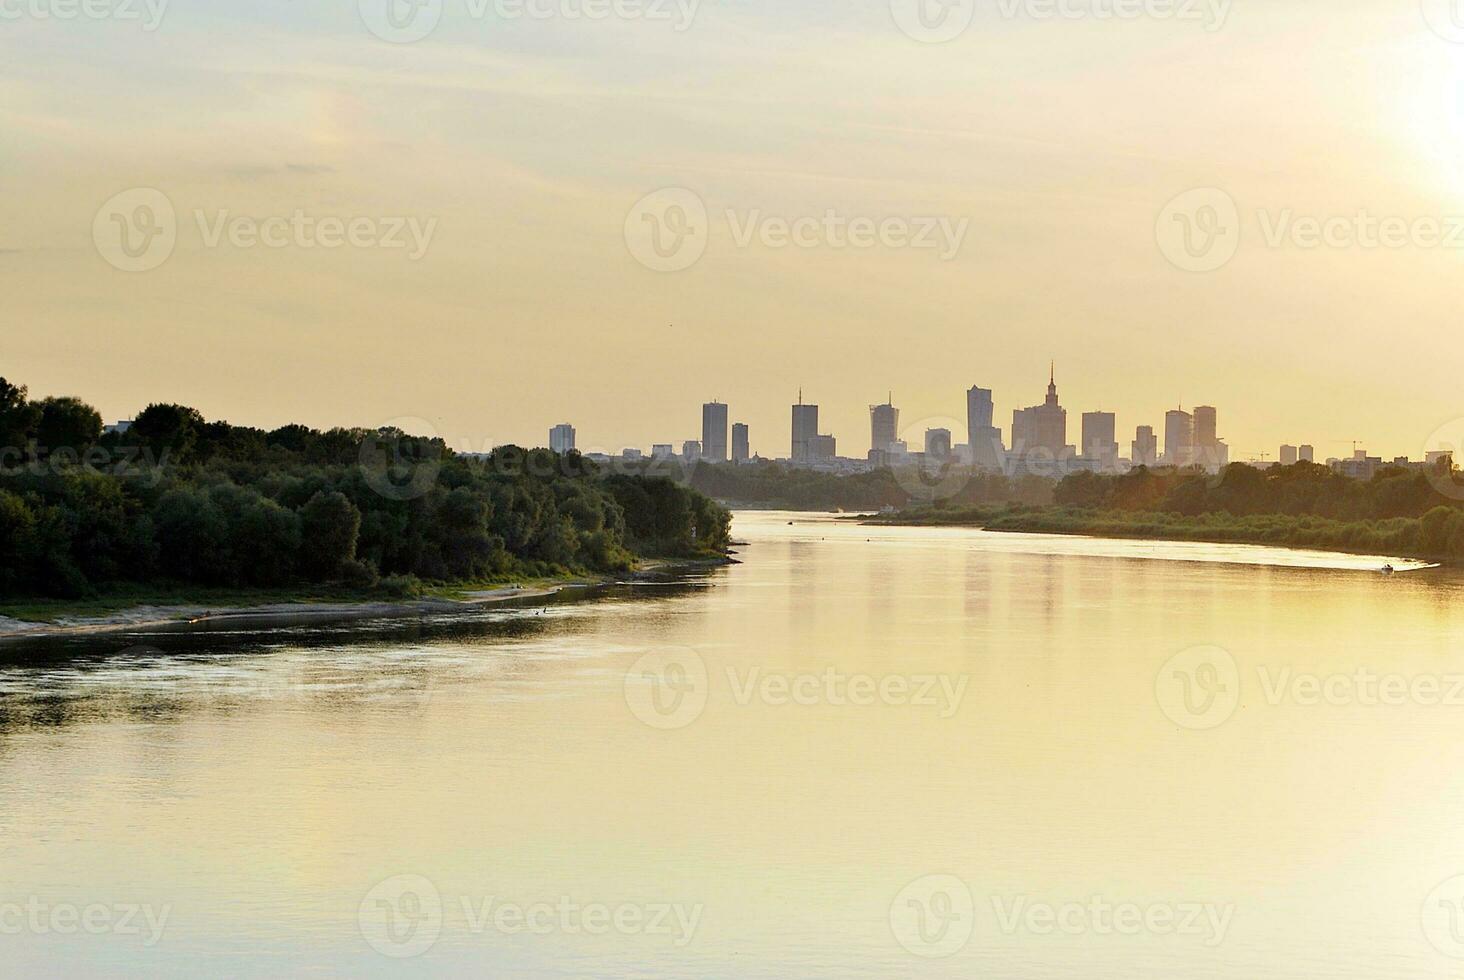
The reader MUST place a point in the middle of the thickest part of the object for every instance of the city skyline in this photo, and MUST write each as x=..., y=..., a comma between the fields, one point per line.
x=1194, y=433
x=1063, y=195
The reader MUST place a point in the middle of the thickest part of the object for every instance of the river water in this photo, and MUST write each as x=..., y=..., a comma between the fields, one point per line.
x=862, y=752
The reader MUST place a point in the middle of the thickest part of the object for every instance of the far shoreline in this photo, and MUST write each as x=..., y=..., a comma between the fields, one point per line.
x=184, y=618
x=1034, y=523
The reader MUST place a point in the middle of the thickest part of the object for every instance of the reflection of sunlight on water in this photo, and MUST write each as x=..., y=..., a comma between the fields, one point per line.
x=264, y=782
x=822, y=527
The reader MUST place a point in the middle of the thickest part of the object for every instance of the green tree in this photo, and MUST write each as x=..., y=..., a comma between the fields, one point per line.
x=167, y=428
x=67, y=423
x=18, y=417
x=330, y=526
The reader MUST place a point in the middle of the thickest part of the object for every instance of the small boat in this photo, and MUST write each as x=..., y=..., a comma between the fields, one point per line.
x=1387, y=569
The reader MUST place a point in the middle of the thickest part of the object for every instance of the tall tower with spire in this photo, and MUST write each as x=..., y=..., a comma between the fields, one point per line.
x=1042, y=428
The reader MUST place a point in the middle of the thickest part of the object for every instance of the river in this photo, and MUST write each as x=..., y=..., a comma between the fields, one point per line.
x=862, y=752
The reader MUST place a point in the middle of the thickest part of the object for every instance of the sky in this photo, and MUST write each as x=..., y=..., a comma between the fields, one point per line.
x=607, y=213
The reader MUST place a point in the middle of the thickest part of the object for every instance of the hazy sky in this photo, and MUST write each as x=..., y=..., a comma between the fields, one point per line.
x=517, y=143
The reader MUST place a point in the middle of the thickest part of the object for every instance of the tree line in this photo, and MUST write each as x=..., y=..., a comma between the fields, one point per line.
x=1403, y=511
x=181, y=499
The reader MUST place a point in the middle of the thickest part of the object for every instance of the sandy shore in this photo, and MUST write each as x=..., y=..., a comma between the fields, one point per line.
x=199, y=617
x=183, y=618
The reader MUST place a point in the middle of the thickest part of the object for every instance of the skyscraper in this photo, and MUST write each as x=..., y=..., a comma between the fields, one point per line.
x=937, y=444
x=1288, y=455
x=805, y=429
x=561, y=438
x=1207, y=451
x=1041, y=428
x=884, y=426
x=1307, y=454
x=1145, y=449
x=1099, y=443
x=740, y=452
x=1179, y=438
x=714, y=432
x=984, y=438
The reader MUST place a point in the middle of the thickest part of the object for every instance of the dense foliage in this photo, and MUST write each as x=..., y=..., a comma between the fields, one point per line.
x=1399, y=511
x=772, y=485
x=182, y=499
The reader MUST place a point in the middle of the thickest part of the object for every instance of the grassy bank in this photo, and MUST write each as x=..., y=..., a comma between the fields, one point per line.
x=1427, y=538
x=123, y=597
x=126, y=597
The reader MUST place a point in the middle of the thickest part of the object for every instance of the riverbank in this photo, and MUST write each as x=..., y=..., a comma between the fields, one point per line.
x=213, y=609
x=1400, y=537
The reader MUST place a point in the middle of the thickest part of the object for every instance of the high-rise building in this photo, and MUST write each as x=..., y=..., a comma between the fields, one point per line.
x=805, y=428
x=691, y=450
x=937, y=444
x=1041, y=428
x=1207, y=451
x=1099, y=443
x=561, y=438
x=1145, y=448
x=822, y=449
x=984, y=438
x=740, y=453
x=1179, y=438
x=884, y=426
x=1307, y=454
x=1288, y=455
x=714, y=432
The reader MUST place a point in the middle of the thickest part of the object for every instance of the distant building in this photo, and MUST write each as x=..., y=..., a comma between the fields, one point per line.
x=1360, y=467
x=1099, y=444
x=805, y=429
x=691, y=450
x=1307, y=454
x=1179, y=438
x=1209, y=451
x=631, y=454
x=740, y=453
x=119, y=428
x=937, y=444
x=663, y=450
x=1145, y=448
x=561, y=438
x=983, y=438
x=714, y=432
x=822, y=449
x=1041, y=428
x=1288, y=455
x=884, y=426
x=809, y=446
